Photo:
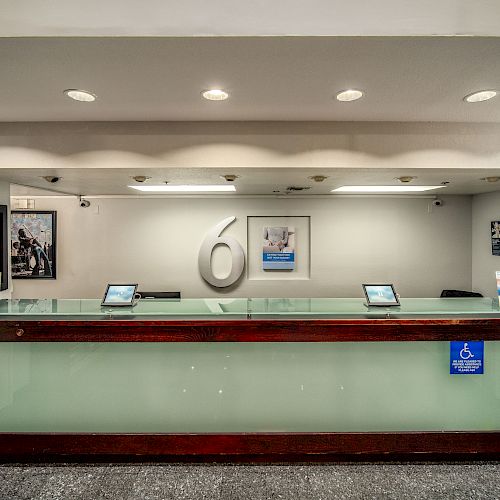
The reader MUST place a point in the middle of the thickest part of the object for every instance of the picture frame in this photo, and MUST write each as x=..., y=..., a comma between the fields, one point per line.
x=495, y=237
x=33, y=244
x=4, y=254
x=278, y=248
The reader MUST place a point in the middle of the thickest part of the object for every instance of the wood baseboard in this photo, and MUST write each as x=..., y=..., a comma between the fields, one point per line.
x=251, y=447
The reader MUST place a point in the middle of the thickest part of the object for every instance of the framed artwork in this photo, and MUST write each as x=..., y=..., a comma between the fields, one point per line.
x=278, y=251
x=33, y=244
x=495, y=237
x=4, y=249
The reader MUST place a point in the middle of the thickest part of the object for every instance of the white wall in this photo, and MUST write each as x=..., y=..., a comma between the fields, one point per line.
x=353, y=240
x=156, y=241
x=485, y=208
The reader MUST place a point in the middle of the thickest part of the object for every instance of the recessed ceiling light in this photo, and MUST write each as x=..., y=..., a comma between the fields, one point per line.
x=384, y=189
x=187, y=188
x=482, y=95
x=405, y=179
x=318, y=178
x=215, y=95
x=349, y=95
x=80, y=95
x=141, y=178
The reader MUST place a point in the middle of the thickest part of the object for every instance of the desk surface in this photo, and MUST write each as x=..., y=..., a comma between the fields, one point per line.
x=249, y=320
x=215, y=377
x=248, y=309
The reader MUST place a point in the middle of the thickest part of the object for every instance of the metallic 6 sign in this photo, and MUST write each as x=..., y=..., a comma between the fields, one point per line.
x=212, y=239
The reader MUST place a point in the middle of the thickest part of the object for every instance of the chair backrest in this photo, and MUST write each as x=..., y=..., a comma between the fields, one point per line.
x=160, y=295
x=459, y=293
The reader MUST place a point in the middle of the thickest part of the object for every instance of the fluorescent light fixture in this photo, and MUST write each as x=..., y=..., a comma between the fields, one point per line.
x=215, y=95
x=80, y=95
x=349, y=95
x=482, y=95
x=384, y=189
x=187, y=188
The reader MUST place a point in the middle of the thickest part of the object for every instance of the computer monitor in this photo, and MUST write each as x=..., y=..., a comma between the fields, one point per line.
x=119, y=295
x=380, y=295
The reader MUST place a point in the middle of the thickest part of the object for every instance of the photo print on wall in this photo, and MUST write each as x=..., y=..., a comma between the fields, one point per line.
x=495, y=237
x=279, y=248
x=33, y=244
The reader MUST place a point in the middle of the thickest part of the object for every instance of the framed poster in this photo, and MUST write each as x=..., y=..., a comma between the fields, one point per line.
x=495, y=237
x=278, y=251
x=4, y=253
x=33, y=244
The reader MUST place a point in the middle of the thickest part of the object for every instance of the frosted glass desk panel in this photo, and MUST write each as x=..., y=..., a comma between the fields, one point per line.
x=323, y=308
x=243, y=387
x=154, y=309
x=255, y=308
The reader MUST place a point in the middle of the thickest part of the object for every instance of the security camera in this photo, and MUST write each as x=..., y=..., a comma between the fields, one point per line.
x=437, y=203
x=84, y=203
x=52, y=179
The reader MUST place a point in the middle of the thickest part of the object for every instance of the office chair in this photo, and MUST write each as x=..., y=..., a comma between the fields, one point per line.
x=459, y=293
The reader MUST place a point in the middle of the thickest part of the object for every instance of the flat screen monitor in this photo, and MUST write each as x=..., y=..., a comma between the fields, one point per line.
x=380, y=295
x=119, y=295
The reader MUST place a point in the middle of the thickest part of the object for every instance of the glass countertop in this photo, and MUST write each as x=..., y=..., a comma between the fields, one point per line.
x=246, y=308
x=356, y=308
x=91, y=309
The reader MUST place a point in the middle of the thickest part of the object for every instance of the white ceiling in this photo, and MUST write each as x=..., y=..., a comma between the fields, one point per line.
x=248, y=18
x=252, y=181
x=276, y=78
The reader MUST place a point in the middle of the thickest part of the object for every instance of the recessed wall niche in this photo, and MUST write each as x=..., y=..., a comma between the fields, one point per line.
x=300, y=239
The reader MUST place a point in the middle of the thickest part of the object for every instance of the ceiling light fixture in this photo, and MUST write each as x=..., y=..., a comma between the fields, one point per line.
x=215, y=95
x=349, y=95
x=80, y=95
x=482, y=95
x=187, y=188
x=405, y=179
x=318, y=178
x=141, y=178
x=490, y=179
x=384, y=189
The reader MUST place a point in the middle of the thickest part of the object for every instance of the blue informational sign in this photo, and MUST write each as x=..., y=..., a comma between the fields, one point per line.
x=279, y=260
x=467, y=357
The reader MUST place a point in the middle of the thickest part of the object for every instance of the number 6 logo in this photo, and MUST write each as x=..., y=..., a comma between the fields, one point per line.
x=212, y=239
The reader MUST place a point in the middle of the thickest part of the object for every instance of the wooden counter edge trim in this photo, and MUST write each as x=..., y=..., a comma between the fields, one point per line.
x=366, y=330
x=267, y=447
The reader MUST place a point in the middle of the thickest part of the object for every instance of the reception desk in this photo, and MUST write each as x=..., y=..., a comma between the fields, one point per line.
x=246, y=380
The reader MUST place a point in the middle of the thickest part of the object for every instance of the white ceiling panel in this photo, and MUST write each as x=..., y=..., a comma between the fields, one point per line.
x=248, y=18
x=251, y=181
x=274, y=78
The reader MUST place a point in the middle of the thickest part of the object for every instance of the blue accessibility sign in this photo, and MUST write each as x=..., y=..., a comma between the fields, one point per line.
x=467, y=358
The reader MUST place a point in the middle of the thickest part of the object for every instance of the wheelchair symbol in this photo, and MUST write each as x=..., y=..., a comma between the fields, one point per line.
x=465, y=353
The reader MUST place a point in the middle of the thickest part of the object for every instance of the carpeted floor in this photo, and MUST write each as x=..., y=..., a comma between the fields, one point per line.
x=240, y=482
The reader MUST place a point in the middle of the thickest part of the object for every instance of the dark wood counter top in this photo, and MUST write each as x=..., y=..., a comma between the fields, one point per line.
x=254, y=330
